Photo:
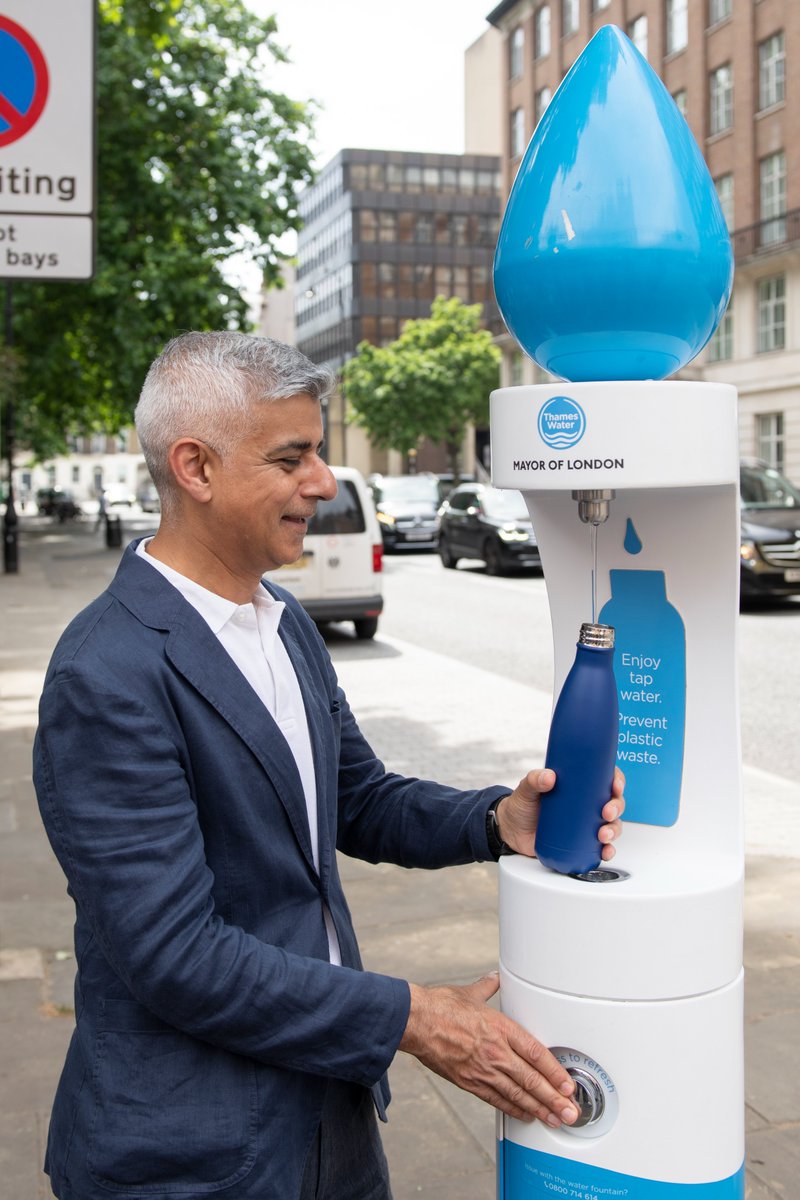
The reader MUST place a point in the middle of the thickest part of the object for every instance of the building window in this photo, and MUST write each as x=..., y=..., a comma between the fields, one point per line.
x=386, y=281
x=718, y=10
x=681, y=101
x=769, y=439
x=720, y=347
x=773, y=199
x=677, y=25
x=541, y=101
x=637, y=32
x=541, y=31
x=517, y=132
x=76, y=474
x=517, y=50
x=515, y=372
x=424, y=229
x=724, y=186
x=367, y=225
x=599, y=5
x=460, y=223
x=721, y=99
x=772, y=314
x=771, y=64
x=570, y=14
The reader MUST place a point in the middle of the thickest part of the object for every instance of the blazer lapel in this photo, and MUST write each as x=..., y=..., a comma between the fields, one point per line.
x=196, y=653
x=322, y=746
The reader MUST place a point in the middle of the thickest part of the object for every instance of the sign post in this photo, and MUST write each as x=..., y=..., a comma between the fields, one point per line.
x=47, y=156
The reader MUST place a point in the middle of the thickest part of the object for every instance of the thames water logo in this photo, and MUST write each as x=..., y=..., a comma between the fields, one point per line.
x=562, y=423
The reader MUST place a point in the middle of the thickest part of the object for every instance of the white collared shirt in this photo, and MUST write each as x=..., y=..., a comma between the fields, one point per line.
x=249, y=634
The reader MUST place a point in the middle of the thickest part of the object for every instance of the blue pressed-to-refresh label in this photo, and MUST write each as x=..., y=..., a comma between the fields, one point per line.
x=533, y=1175
x=650, y=670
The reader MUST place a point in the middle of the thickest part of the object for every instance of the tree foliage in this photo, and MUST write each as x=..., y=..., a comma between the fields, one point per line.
x=199, y=159
x=433, y=381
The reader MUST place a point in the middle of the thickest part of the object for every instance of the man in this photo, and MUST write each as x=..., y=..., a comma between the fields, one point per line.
x=197, y=767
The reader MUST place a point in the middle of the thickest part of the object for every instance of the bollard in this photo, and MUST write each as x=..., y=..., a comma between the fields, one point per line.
x=113, y=531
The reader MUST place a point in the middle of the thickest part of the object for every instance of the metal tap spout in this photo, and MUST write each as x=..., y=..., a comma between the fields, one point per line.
x=593, y=504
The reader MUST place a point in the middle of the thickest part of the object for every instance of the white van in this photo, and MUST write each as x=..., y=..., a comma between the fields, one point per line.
x=338, y=577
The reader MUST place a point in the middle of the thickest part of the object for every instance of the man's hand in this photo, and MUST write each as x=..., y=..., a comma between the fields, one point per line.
x=453, y=1031
x=518, y=814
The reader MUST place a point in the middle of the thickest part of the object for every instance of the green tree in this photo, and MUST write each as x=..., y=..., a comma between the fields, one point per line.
x=199, y=159
x=433, y=381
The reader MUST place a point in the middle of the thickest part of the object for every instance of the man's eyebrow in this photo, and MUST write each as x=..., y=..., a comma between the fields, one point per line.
x=296, y=444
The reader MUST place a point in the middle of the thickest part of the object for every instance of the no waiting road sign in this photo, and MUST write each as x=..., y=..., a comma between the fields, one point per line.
x=47, y=151
x=24, y=81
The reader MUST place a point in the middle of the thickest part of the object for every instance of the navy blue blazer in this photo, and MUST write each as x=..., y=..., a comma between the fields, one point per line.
x=208, y=1017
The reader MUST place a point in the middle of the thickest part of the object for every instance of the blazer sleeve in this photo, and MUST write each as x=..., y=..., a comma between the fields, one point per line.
x=119, y=812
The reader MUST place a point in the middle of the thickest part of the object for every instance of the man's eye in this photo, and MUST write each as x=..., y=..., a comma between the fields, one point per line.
x=290, y=462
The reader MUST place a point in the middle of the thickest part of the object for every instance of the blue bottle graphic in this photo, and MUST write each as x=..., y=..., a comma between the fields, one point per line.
x=650, y=667
x=582, y=750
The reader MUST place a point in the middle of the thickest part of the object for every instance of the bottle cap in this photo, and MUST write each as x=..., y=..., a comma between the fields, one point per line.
x=601, y=636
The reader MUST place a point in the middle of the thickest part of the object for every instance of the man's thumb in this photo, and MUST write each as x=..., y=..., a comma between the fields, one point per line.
x=484, y=988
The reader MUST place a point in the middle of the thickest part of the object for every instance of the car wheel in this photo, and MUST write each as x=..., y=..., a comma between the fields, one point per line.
x=366, y=627
x=492, y=557
x=446, y=555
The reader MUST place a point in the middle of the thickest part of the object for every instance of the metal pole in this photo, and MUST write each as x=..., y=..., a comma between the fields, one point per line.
x=10, y=522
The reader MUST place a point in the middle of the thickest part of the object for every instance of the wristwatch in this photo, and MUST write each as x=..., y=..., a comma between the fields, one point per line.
x=496, y=844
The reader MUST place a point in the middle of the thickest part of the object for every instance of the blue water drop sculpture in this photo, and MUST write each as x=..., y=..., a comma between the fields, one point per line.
x=613, y=260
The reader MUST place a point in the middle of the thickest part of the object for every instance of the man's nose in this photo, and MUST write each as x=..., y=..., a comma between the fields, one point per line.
x=324, y=482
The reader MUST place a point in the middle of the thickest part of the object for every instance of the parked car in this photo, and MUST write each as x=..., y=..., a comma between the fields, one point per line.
x=52, y=502
x=770, y=535
x=407, y=508
x=492, y=524
x=447, y=482
x=338, y=576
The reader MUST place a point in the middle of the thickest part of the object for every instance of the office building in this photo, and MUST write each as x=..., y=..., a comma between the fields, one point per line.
x=384, y=233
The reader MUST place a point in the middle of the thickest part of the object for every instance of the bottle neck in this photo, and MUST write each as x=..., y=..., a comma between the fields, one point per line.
x=598, y=637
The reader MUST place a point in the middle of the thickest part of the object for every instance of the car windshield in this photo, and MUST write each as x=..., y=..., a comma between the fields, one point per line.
x=409, y=487
x=764, y=487
x=505, y=505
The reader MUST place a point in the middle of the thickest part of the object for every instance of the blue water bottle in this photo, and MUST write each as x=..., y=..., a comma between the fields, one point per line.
x=582, y=750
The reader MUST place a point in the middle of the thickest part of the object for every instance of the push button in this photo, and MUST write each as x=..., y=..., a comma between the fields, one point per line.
x=595, y=1095
x=588, y=1098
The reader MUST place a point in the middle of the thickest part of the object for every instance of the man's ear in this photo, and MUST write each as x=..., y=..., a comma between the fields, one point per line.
x=190, y=461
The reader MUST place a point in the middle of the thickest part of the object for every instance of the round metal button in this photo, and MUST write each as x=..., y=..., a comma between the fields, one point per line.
x=588, y=1097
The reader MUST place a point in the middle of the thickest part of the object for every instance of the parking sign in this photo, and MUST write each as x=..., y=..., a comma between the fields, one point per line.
x=47, y=153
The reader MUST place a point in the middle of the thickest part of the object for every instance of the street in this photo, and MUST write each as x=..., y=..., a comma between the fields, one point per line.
x=502, y=625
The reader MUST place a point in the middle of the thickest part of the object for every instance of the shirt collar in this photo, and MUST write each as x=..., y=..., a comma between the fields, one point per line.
x=215, y=610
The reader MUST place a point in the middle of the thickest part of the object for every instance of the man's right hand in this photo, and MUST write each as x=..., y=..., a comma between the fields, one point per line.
x=453, y=1031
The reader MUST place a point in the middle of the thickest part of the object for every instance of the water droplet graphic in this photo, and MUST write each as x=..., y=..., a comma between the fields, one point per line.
x=613, y=260
x=632, y=542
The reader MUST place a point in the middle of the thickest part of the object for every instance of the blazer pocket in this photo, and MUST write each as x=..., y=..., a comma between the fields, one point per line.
x=170, y=1113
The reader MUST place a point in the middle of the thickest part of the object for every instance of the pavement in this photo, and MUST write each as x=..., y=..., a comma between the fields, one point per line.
x=432, y=927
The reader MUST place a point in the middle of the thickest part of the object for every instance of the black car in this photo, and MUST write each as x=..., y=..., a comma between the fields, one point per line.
x=52, y=502
x=770, y=539
x=478, y=521
x=407, y=509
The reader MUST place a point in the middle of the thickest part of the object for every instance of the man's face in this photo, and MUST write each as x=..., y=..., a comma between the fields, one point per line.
x=265, y=490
